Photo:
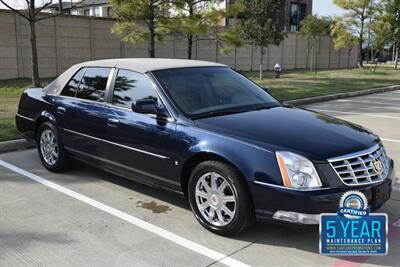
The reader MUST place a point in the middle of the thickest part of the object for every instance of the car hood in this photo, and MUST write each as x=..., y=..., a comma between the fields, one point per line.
x=311, y=134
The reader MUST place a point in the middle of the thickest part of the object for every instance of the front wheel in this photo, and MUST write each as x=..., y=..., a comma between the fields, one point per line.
x=219, y=198
x=50, y=148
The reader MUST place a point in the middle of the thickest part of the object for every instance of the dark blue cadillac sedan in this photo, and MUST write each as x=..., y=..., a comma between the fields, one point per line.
x=204, y=130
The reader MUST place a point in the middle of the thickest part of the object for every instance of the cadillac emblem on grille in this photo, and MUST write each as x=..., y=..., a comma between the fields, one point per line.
x=363, y=167
x=378, y=166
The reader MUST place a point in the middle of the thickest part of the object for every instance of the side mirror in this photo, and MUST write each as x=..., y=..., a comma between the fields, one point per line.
x=147, y=106
x=266, y=89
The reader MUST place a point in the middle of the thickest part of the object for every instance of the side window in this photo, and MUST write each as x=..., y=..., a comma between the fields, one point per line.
x=71, y=88
x=93, y=84
x=131, y=86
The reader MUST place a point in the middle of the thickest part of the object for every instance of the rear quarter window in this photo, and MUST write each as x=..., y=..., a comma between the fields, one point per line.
x=72, y=87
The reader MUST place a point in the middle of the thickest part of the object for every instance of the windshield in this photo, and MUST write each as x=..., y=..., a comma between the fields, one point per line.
x=212, y=91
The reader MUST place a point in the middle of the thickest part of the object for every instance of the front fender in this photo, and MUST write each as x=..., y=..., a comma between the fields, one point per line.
x=254, y=163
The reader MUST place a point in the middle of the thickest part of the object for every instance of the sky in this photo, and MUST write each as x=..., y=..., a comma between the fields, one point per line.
x=320, y=7
x=326, y=8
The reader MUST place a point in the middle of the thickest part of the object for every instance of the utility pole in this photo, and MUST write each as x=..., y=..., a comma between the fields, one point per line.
x=393, y=50
x=368, y=58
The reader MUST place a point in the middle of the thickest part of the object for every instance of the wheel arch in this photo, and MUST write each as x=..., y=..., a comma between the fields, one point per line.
x=44, y=116
x=200, y=157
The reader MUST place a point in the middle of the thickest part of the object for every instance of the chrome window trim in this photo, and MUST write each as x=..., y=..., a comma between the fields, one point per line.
x=109, y=84
x=24, y=117
x=291, y=189
x=116, y=144
x=83, y=100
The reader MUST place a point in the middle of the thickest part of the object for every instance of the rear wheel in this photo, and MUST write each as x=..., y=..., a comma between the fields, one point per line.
x=50, y=148
x=219, y=198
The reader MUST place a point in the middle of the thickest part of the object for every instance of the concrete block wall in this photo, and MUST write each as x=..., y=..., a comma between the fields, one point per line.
x=67, y=40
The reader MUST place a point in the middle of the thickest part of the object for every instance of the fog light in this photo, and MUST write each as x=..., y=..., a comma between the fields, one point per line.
x=295, y=217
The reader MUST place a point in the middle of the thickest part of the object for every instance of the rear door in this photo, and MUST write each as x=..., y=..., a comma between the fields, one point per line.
x=83, y=116
x=65, y=103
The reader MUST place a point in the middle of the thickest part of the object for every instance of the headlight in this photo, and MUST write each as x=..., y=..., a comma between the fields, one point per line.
x=297, y=171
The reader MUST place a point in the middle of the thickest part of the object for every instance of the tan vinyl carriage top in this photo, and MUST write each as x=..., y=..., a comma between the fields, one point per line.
x=141, y=65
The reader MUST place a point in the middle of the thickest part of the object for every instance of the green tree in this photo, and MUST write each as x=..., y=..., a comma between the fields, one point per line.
x=388, y=27
x=141, y=21
x=262, y=24
x=380, y=35
x=195, y=18
x=33, y=13
x=358, y=14
x=232, y=37
x=311, y=28
x=343, y=38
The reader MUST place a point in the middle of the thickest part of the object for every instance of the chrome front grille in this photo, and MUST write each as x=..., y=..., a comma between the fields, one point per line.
x=362, y=167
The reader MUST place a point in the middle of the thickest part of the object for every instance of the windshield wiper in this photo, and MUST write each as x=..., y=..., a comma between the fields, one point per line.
x=219, y=113
x=265, y=107
x=231, y=111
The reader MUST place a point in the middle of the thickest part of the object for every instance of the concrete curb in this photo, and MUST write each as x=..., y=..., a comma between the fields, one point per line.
x=316, y=99
x=13, y=145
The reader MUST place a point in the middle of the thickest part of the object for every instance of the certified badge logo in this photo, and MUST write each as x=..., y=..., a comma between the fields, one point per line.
x=353, y=230
x=353, y=205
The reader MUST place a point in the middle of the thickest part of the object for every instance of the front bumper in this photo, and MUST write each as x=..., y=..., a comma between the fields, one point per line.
x=303, y=207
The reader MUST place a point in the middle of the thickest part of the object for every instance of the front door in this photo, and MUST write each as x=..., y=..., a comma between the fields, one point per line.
x=143, y=143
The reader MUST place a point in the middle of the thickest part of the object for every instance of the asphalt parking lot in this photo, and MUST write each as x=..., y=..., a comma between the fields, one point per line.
x=88, y=217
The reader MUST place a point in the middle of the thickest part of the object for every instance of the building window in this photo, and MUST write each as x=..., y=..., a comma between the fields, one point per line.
x=97, y=11
x=108, y=11
x=298, y=10
x=294, y=28
x=86, y=12
x=294, y=10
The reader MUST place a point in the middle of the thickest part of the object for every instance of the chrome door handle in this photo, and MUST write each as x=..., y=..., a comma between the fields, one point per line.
x=113, y=122
x=61, y=110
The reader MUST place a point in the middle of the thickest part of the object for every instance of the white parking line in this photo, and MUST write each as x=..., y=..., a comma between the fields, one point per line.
x=367, y=102
x=390, y=140
x=383, y=97
x=354, y=113
x=129, y=218
x=373, y=106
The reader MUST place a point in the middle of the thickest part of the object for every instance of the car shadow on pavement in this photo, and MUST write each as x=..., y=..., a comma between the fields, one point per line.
x=265, y=233
x=162, y=194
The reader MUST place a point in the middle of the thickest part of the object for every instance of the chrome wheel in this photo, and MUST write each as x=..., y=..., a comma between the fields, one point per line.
x=215, y=199
x=49, y=147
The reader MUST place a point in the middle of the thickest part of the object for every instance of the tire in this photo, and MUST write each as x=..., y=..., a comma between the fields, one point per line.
x=57, y=161
x=235, y=216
